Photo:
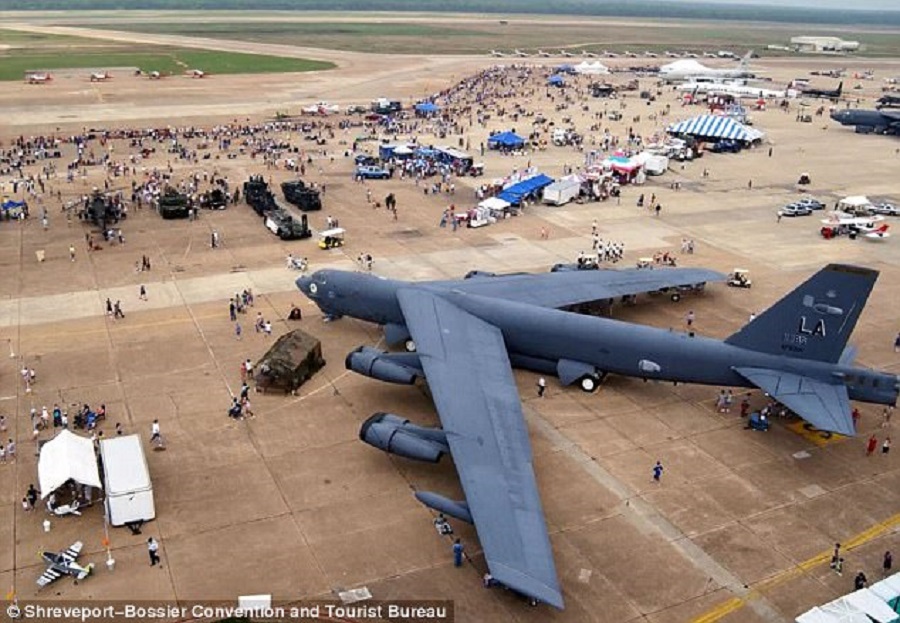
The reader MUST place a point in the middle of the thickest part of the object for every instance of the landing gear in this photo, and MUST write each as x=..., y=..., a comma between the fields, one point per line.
x=410, y=345
x=589, y=382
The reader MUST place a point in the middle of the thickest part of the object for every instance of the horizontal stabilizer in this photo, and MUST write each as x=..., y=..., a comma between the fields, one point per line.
x=824, y=405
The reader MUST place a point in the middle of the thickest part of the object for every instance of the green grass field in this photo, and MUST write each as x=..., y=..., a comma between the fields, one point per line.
x=40, y=52
x=478, y=37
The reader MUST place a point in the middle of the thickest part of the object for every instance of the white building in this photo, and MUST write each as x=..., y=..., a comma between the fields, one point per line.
x=823, y=44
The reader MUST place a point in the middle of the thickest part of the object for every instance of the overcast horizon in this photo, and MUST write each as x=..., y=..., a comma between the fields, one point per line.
x=863, y=5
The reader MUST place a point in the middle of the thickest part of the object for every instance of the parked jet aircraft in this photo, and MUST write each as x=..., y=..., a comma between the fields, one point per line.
x=63, y=563
x=499, y=54
x=881, y=121
x=672, y=54
x=468, y=333
x=100, y=76
x=38, y=78
x=650, y=54
x=566, y=54
x=888, y=101
x=823, y=93
x=543, y=54
x=607, y=54
x=687, y=68
x=708, y=55
x=520, y=53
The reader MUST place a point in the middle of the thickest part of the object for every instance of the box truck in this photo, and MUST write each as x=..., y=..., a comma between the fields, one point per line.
x=129, y=492
x=562, y=191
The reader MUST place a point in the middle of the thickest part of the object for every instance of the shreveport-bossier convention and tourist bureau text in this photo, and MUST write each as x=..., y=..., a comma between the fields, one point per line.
x=313, y=611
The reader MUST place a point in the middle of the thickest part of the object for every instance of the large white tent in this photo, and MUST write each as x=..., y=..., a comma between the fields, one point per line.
x=67, y=456
x=595, y=68
x=874, y=607
x=716, y=126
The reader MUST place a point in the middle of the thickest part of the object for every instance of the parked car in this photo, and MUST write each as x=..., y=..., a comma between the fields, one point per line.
x=885, y=208
x=795, y=209
x=365, y=160
x=369, y=172
x=812, y=204
x=726, y=146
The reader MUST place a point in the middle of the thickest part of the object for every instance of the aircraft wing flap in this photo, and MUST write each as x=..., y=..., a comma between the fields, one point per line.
x=469, y=374
x=824, y=405
x=582, y=286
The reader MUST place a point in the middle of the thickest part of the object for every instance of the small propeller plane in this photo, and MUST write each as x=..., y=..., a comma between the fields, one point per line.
x=38, y=78
x=63, y=563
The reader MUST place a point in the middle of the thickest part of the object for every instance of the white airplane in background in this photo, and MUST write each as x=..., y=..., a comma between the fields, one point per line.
x=195, y=73
x=685, y=69
x=650, y=54
x=154, y=75
x=520, y=53
x=566, y=53
x=588, y=54
x=736, y=89
x=543, y=54
x=38, y=78
x=690, y=55
x=628, y=54
x=672, y=54
x=498, y=54
x=322, y=108
x=100, y=76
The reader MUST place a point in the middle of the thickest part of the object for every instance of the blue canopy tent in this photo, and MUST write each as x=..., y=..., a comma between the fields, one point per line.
x=506, y=140
x=556, y=81
x=715, y=127
x=426, y=108
x=518, y=191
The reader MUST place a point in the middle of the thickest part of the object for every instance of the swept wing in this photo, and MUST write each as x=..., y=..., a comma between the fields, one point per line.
x=470, y=378
x=582, y=286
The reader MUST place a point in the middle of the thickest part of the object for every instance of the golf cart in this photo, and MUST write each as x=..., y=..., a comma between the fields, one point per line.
x=331, y=238
x=740, y=278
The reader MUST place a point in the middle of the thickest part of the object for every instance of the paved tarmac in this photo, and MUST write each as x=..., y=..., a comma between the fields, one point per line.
x=292, y=504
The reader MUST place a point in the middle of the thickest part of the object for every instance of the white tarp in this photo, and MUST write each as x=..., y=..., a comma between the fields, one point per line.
x=67, y=456
x=872, y=605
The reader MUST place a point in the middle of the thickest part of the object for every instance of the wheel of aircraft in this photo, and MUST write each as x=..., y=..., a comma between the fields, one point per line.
x=410, y=346
x=589, y=383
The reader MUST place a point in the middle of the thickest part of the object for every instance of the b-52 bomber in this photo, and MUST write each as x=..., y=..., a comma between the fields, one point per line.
x=880, y=121
x=468, y=334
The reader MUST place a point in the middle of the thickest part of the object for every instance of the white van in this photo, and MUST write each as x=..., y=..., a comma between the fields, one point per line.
x=129, y=492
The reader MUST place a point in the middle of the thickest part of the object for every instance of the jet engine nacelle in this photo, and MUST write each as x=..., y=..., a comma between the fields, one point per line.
x=457, y=510
x=396, y=435
x=389, y=367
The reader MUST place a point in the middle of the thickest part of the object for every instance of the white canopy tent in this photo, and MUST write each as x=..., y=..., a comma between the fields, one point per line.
x=855, y=201
x=874, y=607
x=67, y=456
x=842, y=611
x=596, y=68
x=887, y=589
x=494, y=203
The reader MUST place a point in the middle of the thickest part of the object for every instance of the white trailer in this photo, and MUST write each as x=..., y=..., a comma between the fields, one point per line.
x=562, y=191
x=129, y=492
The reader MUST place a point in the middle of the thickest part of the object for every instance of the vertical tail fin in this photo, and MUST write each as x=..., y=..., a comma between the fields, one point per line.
x=815, y=320
x=837, y=92
x=745, y=61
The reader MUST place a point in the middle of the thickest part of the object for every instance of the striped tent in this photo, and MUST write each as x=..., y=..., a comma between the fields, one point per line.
x=715, y=126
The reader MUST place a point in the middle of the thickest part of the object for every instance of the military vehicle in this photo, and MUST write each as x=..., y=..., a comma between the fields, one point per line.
x=214, y=199
x=301, y=195
x=285, y=226
x=293, y=359
x=101, y=210
x=173, y=204
x=258, y=196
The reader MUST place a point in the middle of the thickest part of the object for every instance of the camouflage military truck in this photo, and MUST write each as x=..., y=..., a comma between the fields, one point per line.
x=173, y=204
x=293, y=359
x=301, y=195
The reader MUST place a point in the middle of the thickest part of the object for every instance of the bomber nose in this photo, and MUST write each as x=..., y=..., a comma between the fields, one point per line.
x=305, y=284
